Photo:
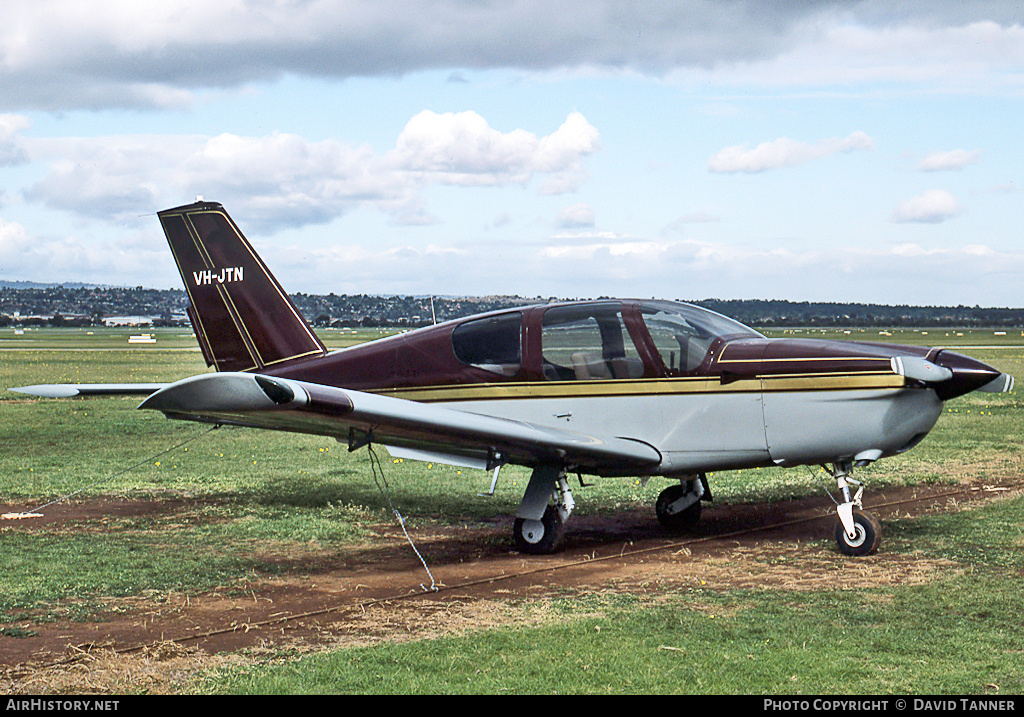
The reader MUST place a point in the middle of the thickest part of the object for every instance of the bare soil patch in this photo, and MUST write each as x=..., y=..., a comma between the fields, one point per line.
x=382, y=591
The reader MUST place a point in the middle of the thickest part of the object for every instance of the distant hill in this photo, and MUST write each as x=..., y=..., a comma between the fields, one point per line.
x=772, y=313
x=36, y=285
x=84, y=304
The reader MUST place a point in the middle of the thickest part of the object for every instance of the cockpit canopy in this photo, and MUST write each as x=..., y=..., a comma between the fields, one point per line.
x=597, y=340
x=683, y=333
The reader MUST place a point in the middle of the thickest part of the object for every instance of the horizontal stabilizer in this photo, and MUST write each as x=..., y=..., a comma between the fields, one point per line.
x=69, y=390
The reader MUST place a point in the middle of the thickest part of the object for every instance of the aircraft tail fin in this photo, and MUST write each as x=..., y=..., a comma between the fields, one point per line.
x=242, y=317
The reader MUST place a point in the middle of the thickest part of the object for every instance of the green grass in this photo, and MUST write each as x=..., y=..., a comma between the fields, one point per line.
x=240, y=500
x=959, y=633
x=945, y=337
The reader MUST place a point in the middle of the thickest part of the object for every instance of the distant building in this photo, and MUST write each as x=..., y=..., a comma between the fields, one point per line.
x=127, y=321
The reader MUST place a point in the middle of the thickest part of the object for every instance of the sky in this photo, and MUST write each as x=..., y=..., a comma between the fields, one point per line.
x=838, y=150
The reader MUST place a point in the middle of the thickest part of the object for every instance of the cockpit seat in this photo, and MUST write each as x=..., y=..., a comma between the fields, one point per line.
x=590, y=366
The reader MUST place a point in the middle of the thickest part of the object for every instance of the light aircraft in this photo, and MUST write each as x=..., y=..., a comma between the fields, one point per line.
x=605, y=388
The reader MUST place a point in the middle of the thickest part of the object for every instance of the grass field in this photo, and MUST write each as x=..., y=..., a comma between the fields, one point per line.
x=260, y=496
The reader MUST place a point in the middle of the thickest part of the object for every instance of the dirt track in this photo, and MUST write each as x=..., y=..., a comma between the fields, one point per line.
x=383, y=591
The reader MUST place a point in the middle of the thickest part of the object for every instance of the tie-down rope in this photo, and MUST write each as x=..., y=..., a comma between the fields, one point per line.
x=385, y=489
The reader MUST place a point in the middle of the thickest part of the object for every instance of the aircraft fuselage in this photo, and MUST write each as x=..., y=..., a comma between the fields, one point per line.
x=743, y=400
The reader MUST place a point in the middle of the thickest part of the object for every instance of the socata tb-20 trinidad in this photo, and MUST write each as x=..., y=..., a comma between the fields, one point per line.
x=605, y=388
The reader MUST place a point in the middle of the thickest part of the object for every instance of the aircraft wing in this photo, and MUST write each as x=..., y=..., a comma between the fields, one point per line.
x=356, y=417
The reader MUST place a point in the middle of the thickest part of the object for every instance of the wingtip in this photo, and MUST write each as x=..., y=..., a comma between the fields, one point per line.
x=47, y=390
x=70, y=390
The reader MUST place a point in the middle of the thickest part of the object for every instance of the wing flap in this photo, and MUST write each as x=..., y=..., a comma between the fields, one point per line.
x=246, y=399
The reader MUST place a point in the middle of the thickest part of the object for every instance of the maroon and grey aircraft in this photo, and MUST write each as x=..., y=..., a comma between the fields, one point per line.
x=605, y=388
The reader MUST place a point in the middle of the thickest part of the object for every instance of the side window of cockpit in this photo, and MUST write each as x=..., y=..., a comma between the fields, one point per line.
x=493, y=344
x=681, y=344
x=588, y=343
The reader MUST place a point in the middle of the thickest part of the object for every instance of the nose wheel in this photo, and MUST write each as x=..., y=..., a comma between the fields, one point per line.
x=867, y=534
x=858, y=533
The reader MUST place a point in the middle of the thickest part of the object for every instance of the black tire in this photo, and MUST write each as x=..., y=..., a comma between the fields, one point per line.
x=683, y=521
x=539, y=538
x=869, y=535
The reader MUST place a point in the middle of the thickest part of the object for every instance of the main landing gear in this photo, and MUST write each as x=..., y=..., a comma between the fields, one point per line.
x=539, y=527
x=857, y=532
x=678, y=506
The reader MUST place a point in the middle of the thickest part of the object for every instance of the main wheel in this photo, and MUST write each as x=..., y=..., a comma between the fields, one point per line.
x=682, y=521
x=868, y=535
x=539, y=537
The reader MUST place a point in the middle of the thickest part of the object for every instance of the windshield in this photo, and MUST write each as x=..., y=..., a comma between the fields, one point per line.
x=683, y=333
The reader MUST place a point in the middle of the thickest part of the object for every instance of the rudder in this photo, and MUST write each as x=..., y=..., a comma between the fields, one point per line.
x=242, y=317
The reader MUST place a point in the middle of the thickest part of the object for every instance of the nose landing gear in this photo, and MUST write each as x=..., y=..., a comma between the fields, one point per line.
x=858, y=533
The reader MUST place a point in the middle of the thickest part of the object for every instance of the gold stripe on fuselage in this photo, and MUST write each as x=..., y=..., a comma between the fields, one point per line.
x=645, y=387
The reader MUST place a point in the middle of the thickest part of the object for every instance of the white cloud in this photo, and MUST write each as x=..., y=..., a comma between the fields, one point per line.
x=576, y=216
x=13, y=240
x=282, y=180
x=973, y=52
x=680, y=224
x=954, y=159
x=749, y=64
x=110, y=177
x=930, y=207
x=691, y=269
x=132, y=259
x=130, y=54
x=63, y=54
x=12, y=147
x=613, y=264
x=461, y=148
x=783, y=152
